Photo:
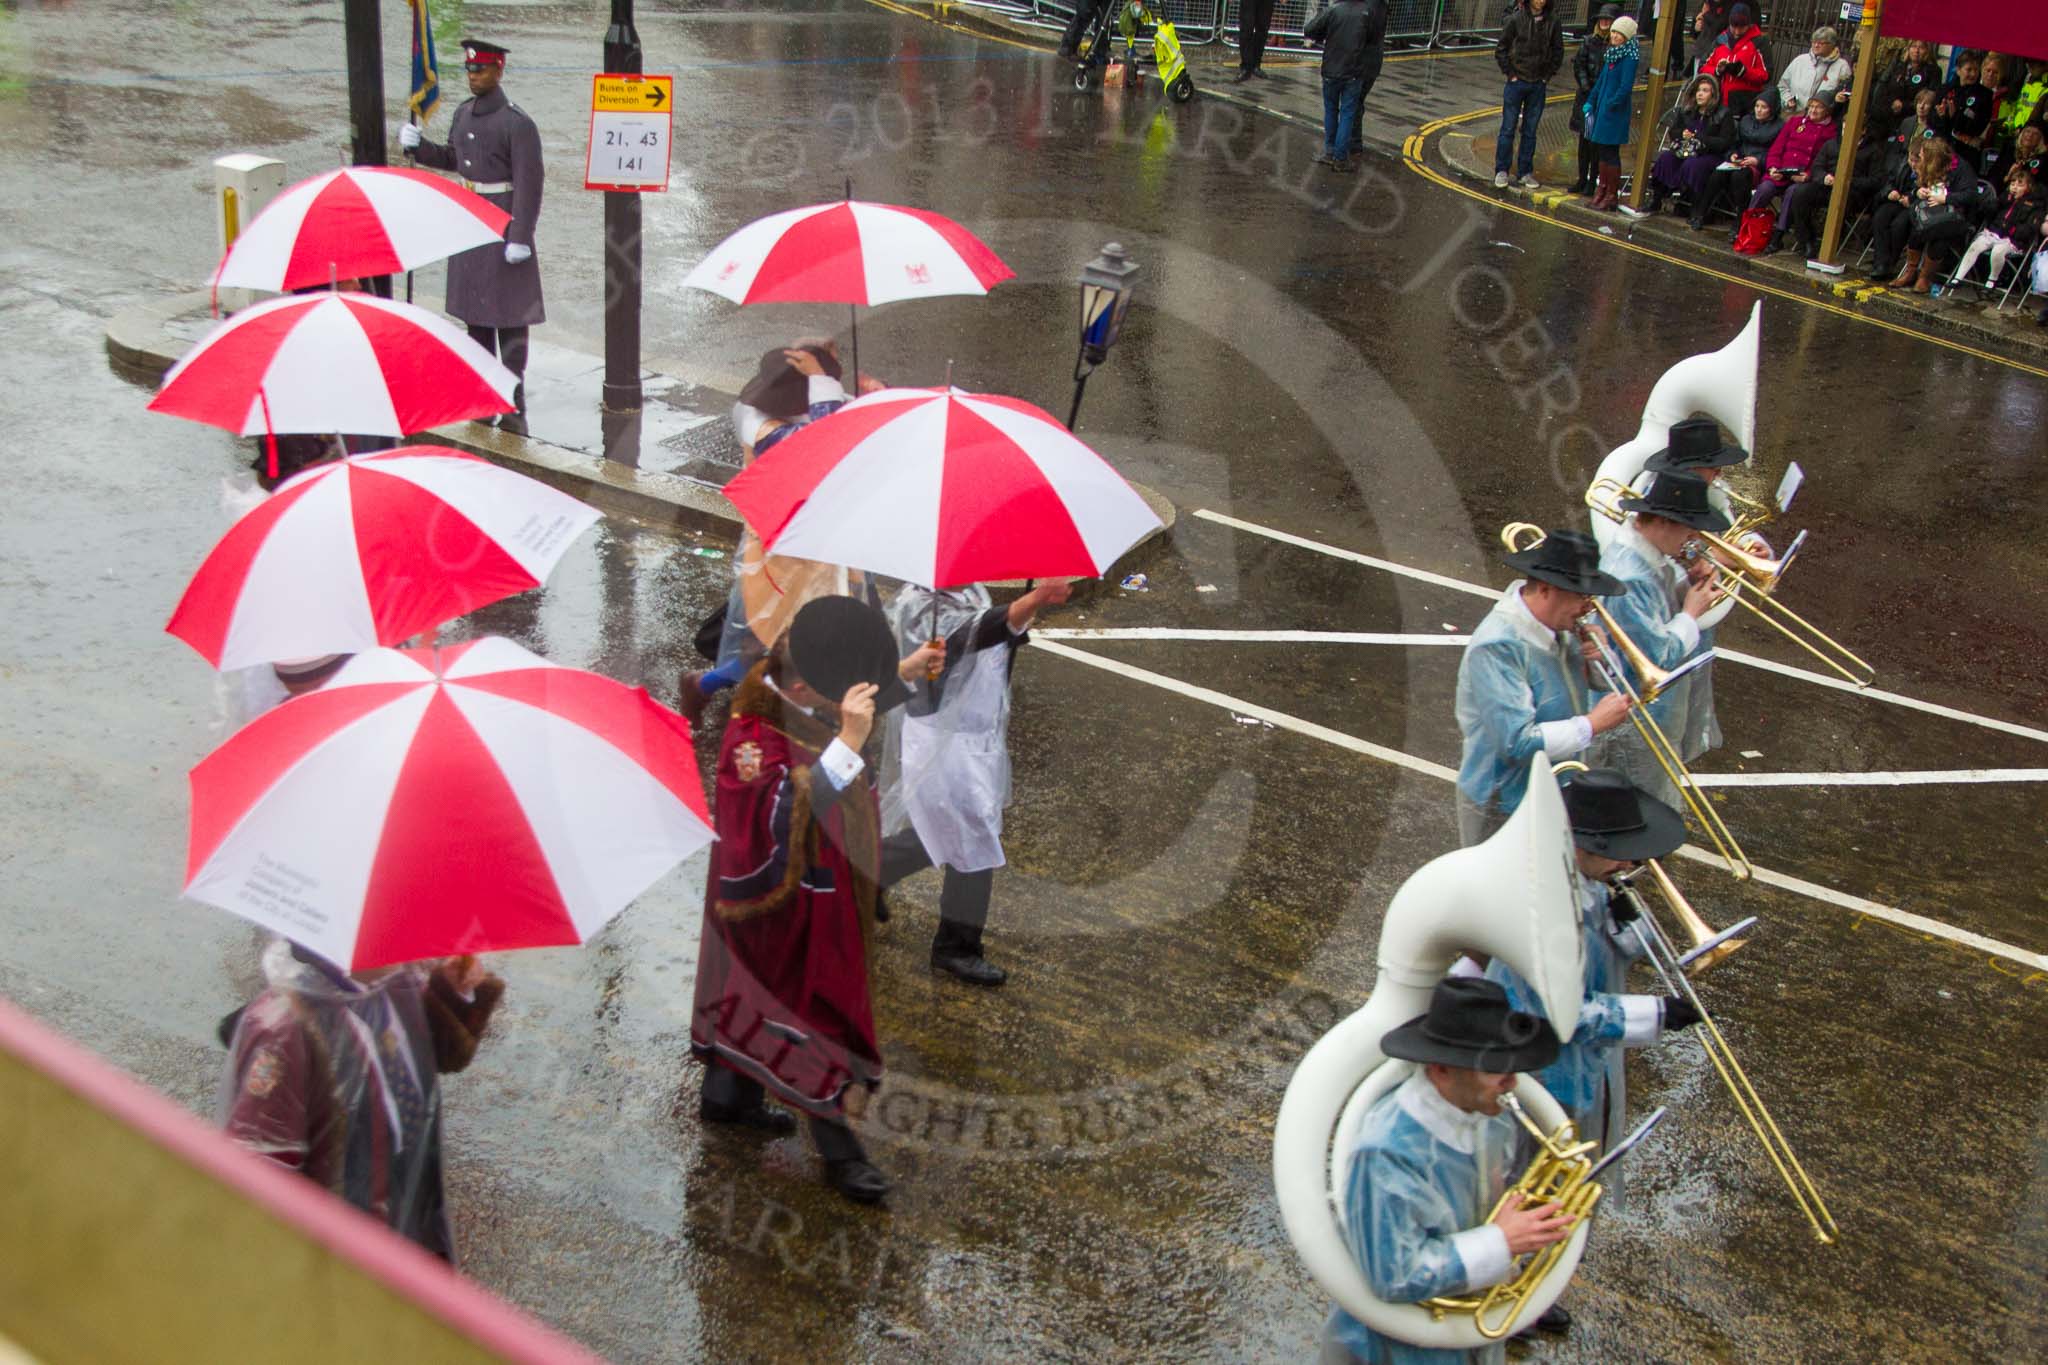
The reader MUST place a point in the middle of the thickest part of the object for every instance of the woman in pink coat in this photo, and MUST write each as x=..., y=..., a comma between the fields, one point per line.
x=1791, y=162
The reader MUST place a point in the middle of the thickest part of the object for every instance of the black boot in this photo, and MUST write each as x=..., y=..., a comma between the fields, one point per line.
x=847, y=1168
x=515, y=421
x=1658, y=194
x=963, y=910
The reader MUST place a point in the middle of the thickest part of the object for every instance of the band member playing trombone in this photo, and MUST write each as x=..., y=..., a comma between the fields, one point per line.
x=1614, y=827
x=1522, y=682
x=1695, y=447
x=1433, y=1155
x=1660, y=607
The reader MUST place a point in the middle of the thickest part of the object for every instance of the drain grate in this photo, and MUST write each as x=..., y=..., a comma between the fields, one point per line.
x=710, y=443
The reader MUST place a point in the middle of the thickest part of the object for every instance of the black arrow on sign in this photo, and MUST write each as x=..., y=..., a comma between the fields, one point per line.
x=654, y=95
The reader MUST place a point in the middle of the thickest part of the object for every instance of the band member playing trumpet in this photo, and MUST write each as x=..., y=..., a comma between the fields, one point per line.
x=1433, y=1155
x=1659, y=609
x=1522, y=682
x=1695, y=447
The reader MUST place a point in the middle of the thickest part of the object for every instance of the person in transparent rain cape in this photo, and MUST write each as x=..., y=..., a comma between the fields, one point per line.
x=946, y=762
x=1614, y=827
x=337, y=1077
x=1432, y=1158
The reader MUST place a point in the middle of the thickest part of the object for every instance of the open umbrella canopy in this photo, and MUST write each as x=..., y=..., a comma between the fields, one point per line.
x=356, y=222
x=944, y=488
x=433, y=802
x=335, y=362
x=370, y=551
x=849, y=251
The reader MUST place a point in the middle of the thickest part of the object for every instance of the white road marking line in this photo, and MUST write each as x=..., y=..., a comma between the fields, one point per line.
x=1281, y=720
x=1278, y=719
x=1732, y=655
x=1917, y=778
x=1255, y=637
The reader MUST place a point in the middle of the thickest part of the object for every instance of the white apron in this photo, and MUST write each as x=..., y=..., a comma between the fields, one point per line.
x=951, y=779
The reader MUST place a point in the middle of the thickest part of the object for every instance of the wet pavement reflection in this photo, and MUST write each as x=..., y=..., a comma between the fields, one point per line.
x=1082, y=1159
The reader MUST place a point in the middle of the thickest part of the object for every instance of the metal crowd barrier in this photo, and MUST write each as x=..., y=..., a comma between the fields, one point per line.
x=1447, y=24
x=1194, y=20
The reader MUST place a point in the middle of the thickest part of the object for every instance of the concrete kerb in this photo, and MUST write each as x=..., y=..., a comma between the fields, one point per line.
x=139, y=339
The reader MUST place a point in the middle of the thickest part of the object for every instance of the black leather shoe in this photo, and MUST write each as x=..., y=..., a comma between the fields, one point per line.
x=1240, y=78
x=1259, y=72
x=857, y=1180
x=1555, y=1319
x=514, y=422
x=775, y=1122
x=970, y=967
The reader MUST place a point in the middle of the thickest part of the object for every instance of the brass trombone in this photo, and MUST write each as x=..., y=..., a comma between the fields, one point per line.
x=1749, y=581
x=1671, y=968
x=1620, y=655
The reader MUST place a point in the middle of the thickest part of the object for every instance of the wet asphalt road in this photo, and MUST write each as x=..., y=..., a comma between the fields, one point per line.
x=1082, y=1158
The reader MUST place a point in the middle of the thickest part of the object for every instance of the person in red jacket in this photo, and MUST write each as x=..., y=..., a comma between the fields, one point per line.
x=1738, y=60
x=1791, y=162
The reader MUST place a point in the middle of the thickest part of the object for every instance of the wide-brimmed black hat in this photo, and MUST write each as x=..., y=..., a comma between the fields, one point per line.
x=1681, y=497
x=1568, y=560
x=1470, y=1024
x=1616, y=819
x=779, y=388
x=835, y=642
x=1696, y=443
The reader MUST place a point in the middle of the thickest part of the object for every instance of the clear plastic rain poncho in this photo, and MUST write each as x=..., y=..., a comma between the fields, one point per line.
x=946, y=760
x=335, y=1078
x=1424, y=1175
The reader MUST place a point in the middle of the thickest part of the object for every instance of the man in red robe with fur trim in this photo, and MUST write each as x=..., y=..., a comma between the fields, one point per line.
x=782, y=1000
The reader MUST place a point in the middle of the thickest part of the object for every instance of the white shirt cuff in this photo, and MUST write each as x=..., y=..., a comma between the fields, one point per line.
x=1483, y=1251
x=841, y=764
x=1465, y=966
x=825, y=389
x=1642, y=1019
x=1687, y=630
x=1563, y=738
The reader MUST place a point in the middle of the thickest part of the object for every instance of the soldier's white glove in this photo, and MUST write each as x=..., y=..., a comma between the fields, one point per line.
x=408, y=136
x=517, y=253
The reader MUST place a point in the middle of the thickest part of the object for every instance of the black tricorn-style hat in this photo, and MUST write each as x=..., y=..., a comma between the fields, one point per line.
x=1614, y=818
x=488, y=54
x=780, y=389
x=1568, y=560
x=1696, y=443
x=1470, y=1024
x=1681, y=497
x=835, y=642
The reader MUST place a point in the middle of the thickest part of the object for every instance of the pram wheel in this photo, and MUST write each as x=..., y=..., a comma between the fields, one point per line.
x=1182, y=89
x=1081, y=78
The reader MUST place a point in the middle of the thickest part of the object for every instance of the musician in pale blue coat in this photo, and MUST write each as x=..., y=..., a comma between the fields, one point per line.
x=1522, y=681
x=1695, y=447
x=1659, y=609
x=1432, y=1158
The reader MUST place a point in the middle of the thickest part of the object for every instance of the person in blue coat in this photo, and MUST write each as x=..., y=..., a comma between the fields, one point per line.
x=1432, y=1158
x=1608, y=108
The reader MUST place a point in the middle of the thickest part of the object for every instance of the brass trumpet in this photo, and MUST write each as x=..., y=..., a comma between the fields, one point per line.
x=1670, y=966
x=1559, y=1174
x=1620, y=656
x=1749, y=579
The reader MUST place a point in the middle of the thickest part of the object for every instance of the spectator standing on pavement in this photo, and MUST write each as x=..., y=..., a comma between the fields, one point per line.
x=1738, y=59
x=1609, y=107
x=1529, y=52
x=494, y=289
x=1254, y=26
x=1707, y=27
x=1820, y=70
x=1586, y=70
x=1351, y=33
x=1085, y=12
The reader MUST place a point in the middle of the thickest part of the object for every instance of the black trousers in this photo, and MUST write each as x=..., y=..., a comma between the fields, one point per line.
x=1077, y=27
x=1254, y=26
x=1889, y=227
x=728, y=1089
x=508, y=344
x=1725, y=189
x=963, y=896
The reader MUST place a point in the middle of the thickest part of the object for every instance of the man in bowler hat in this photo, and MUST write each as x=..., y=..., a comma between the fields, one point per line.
x=1522, y=681
x=1433, y=1156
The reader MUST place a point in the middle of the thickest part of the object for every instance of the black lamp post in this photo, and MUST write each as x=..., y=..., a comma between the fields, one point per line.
x=1105, y=298
x=620, y=409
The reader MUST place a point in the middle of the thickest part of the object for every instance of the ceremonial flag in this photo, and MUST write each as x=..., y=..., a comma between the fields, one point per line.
x=426, y=70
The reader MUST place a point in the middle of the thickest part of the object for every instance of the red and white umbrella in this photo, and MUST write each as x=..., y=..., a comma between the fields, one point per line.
x=941, y=487
x=428, y=803
x=849, y=251
x=356, y=222
x=370, y=551
x=335, y=363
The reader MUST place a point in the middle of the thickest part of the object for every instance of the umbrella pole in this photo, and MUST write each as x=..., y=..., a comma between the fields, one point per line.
x=853, y=313
x=269, y=435
x=411, y=119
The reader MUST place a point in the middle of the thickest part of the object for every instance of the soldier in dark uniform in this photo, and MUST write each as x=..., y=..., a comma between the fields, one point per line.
x=493, y=144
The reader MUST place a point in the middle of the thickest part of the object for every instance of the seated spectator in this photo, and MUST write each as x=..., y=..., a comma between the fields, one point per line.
x=1790, y=161
x=2016, y=227
x=1731, y=180
x=1923, y=122
x=1820, y=70
x=1697, y=133
x=1738, y=59
x=1924, y=215
x=2031, y=150
x=1967, y=105
x=1903, y=81
x=1806, y=203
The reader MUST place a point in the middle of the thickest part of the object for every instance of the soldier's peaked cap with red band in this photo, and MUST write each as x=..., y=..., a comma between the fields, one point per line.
x=483, y=54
